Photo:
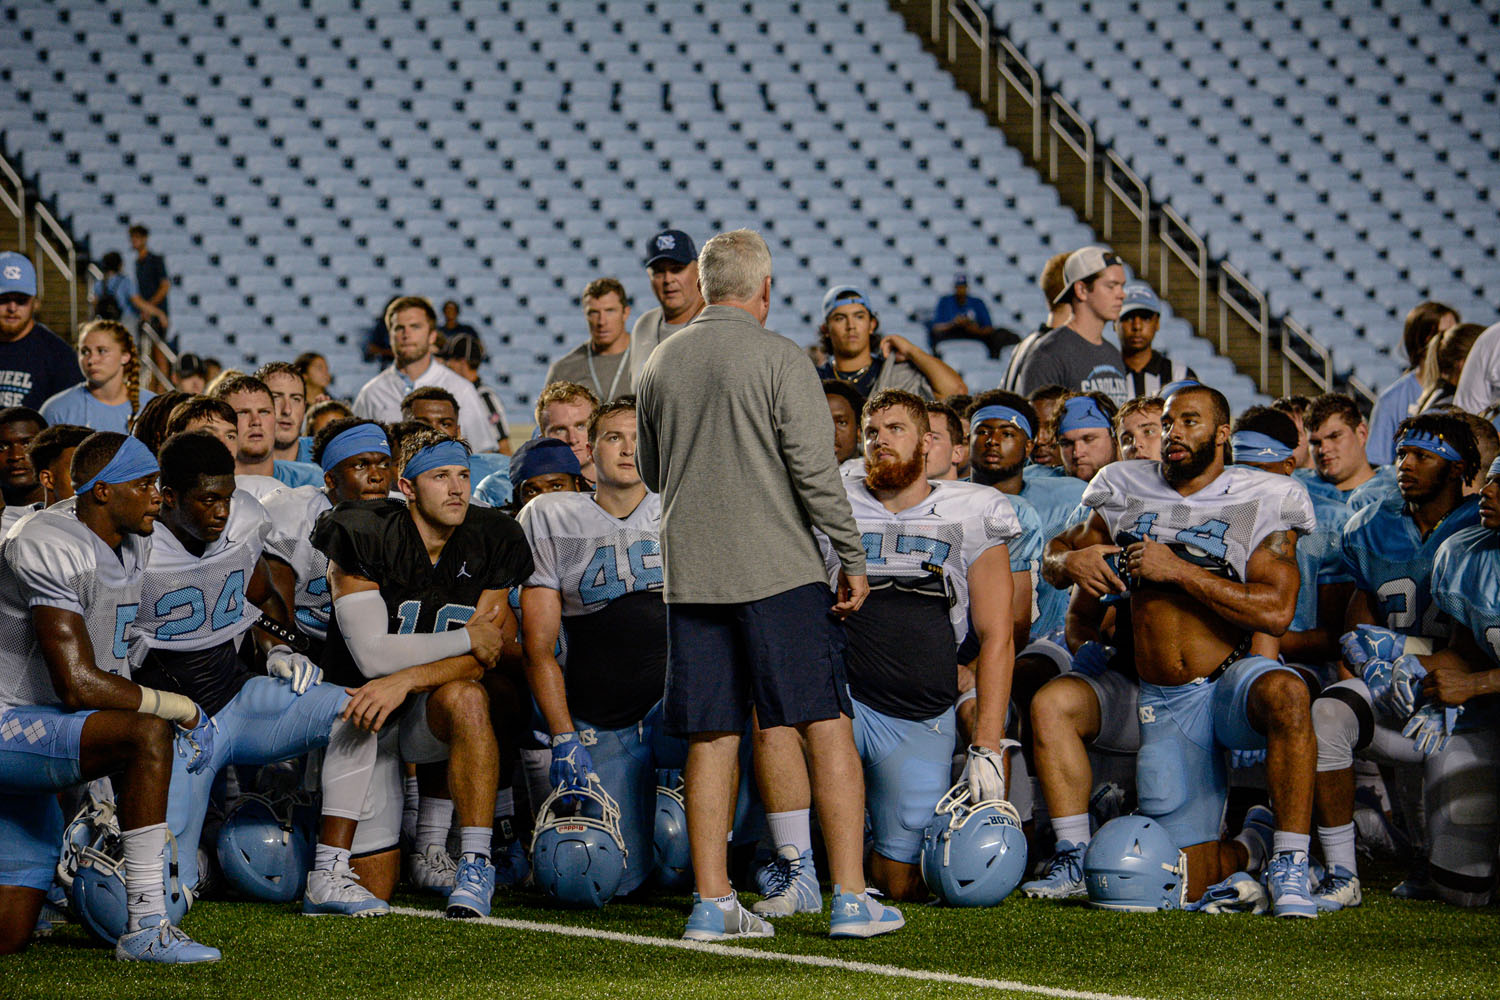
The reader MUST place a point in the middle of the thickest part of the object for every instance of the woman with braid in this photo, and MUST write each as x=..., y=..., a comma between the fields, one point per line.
x=110, y=395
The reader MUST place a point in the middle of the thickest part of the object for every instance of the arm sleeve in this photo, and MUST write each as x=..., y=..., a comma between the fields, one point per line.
x=365, y=624
x=805, y=436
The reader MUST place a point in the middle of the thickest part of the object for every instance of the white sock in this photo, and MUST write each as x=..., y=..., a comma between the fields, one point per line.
x=434, y=816
x=474, y=840
x=791, y=829
x=725, y=903
x=326, y=857
x=505, y=803
x=1074, y=829
x=1282, y=842
x=1338, y=846
x=145, y=887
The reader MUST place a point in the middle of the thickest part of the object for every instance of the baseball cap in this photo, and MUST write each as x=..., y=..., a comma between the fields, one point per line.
x=1140, y=298
x=960, y=279
x=671, y=244
x=845, y=295
x=16, y=274
x=190, y=365
x=465, y=347
x=1084, y=263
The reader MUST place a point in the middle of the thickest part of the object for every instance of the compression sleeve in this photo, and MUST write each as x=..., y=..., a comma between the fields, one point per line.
x=365, y=625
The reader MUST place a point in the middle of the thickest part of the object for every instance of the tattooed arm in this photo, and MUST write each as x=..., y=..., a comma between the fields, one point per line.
x=1264, y=601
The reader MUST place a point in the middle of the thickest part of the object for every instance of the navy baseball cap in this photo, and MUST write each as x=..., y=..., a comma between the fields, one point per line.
x=16, y=274
x=671, y=244
x=1139, y=298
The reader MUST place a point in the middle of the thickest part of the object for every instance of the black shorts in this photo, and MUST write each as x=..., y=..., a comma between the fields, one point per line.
x=783, y=655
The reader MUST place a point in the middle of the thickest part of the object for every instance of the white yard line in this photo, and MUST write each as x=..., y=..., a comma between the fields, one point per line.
x=735, y=951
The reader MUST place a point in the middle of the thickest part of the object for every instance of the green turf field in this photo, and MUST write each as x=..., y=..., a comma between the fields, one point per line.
x=1387, y=948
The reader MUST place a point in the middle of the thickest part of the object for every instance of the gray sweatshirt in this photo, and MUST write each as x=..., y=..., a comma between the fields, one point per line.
x=734, y=434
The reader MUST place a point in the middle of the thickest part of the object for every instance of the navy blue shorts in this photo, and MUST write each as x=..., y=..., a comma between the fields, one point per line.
x=783, y=655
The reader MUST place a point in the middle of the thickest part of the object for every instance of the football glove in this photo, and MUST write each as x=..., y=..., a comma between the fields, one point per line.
x=196, y=743
x=1370, y=642
x=1377, y=674
x=1239, y=893
x=1092, y=658
x=1406, y=685
x=297, y=670
x=571, y=763
x=984, y=772
x=1246, y=758
x=1431, y=727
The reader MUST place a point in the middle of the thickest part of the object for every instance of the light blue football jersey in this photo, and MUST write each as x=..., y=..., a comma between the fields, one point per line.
x=1320, y=559
x=1466, y=585
x=1057, y=502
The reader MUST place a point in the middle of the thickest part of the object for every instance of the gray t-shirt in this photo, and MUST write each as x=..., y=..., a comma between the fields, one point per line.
x=734, y=434
x=1063, y=357
x=600, y=372
x=648, y=331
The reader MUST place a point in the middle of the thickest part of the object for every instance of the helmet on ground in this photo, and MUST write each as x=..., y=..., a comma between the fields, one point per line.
x=973, y=853
x=97, y=893
x=1133, y=864
x=674, y=857
x=577, y=852
x=262, y=851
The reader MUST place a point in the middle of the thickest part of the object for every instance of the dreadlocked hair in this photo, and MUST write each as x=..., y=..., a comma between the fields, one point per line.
x=132, y=366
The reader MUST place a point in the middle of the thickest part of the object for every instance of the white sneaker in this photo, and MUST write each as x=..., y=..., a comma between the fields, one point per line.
x=338, y=891
x=433, y=870
x=790, y=886
x=1339, y=891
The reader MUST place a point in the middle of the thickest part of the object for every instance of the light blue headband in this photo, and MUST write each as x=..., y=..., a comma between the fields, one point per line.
x=1080, y=413
x=1494, y=468
x=1427, y=441
x=436, y=456
x=131, y=461
x=1262, y=449
x=1005, y=413
x=354, y=441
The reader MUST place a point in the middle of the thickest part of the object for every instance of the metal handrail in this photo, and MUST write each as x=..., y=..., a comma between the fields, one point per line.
x=1084, y=152
x=1259, y=320
x=1360, y=389
x=980, y=38
x=1197, y=265
x=64, y=259
x=13, y=198
x=1029, y=90
x=155, y=352
x=1293, y=332
x=1137, y=203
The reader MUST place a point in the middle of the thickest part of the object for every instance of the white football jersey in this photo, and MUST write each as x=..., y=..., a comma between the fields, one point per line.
x=1226, y=520
x=54, y=560
x=293, y=513
x=952, y=527
x=260, y=487
x=188, y=602
x=587, y=554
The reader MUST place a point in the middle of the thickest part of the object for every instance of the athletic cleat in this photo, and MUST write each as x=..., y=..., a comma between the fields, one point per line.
x=1064, y=877
x=158, y=940
x=1286, y=880
x=338, y=892
x=473, y=887
x=1260, y=823
x=860, y=916
x=1338, y=891
x=710, y=922
x=1416, y=887
x=512, y=868
x=433, y=870
x=790, y=885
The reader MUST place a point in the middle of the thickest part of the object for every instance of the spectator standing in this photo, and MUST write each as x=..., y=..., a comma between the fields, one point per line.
x=1425, y=321
x=116, y=297
x=316, y=378
x=1076, y=356
x=190, y=374
x=1479, y=385
x=672, y=266
x=603, y=361
x=110, y=395
x=35, y=363
x=451, y=326
x=1058, y=314
x=857, y=354
x=960, y=316
x=413, y=335
x=463, y=354
x=1147, y=368
x=151, y=279
x=1443, y=366
x=760, y=636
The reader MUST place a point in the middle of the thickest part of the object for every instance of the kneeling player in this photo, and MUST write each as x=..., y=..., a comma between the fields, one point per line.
x=419, y=599
x=70, y=582
x=598, y=576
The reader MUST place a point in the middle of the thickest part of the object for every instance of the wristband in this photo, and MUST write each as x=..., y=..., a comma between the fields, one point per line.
x=166, y=705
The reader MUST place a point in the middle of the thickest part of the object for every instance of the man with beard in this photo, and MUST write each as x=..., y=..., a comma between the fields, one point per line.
x=1389, y=549
x=939, y=560
x=1210, y=555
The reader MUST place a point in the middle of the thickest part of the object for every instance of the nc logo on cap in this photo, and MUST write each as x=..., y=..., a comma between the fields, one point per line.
x=666, y=241
x=13, y=273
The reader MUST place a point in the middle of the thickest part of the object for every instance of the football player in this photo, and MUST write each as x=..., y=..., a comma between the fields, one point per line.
x=419, y=599
x=70, y=584
x=1388, y=548
x=1138, y=428
x=51, y=454
x=1083, y=425
x=598, y=577
x=1210, y=553
x=1336, y=438
x=438, y=408
x=204, y=585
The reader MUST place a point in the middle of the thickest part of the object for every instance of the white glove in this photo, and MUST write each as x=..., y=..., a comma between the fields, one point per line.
x=1239, y=893
x=294, y=668
x=985, y=772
